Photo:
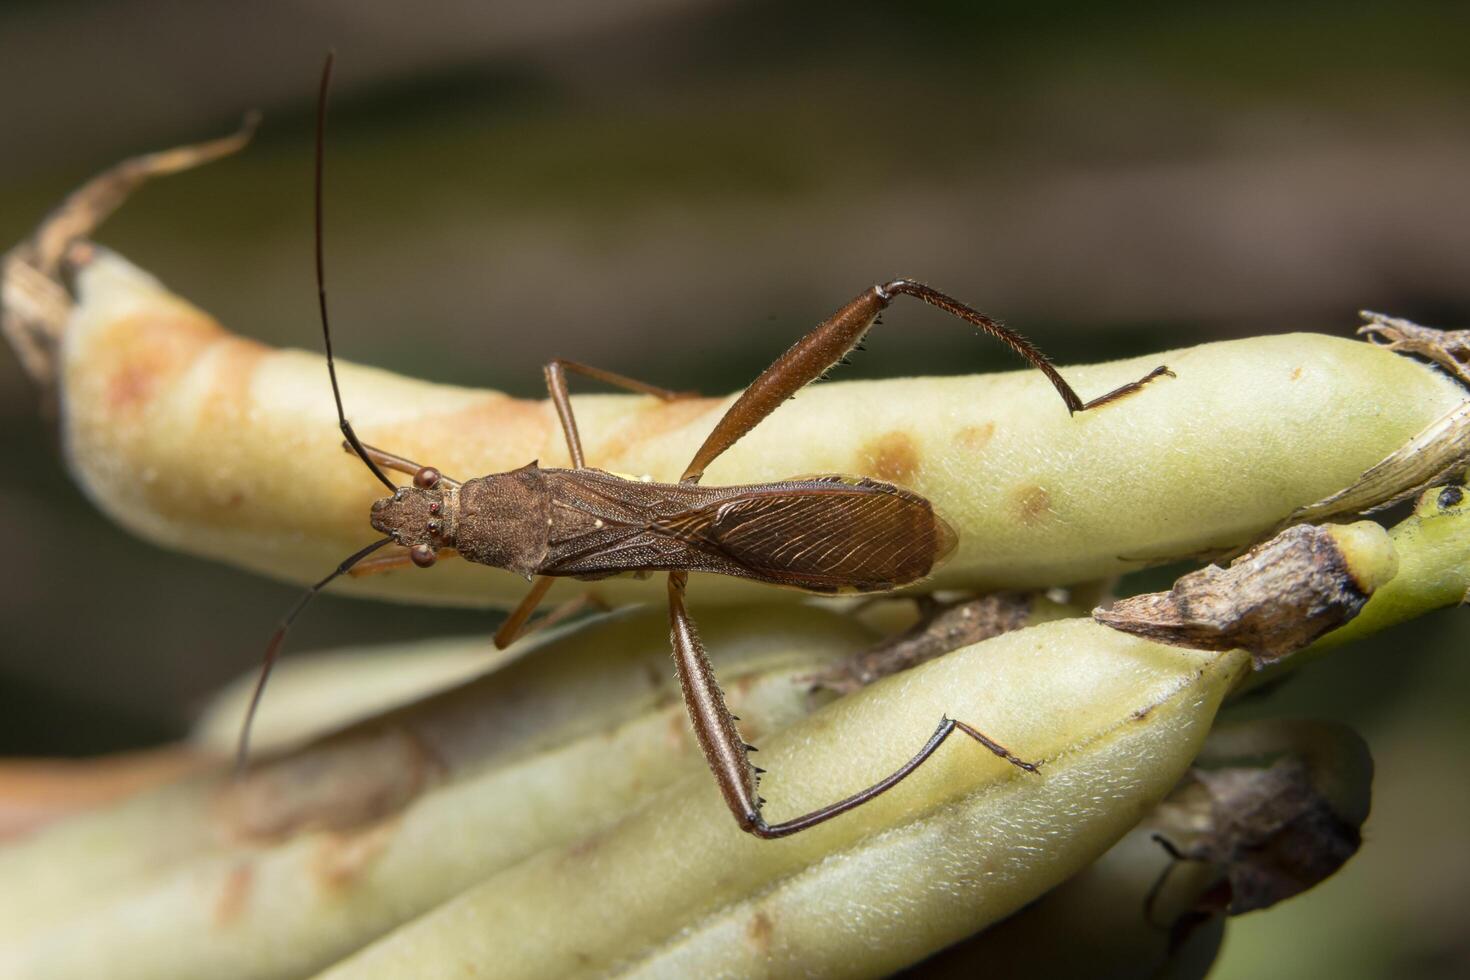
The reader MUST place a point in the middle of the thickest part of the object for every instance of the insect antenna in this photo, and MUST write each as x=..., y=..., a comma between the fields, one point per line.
x=321, y=279
x=273, y=649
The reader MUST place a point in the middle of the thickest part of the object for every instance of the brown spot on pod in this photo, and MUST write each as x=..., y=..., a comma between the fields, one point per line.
x=340, y=859
x=758, y=930
x=973, y=438
x=233, y=364
x=141, y=355
x=1032, y=504
x=892, y=457
x=234, y=895
x=357, y=778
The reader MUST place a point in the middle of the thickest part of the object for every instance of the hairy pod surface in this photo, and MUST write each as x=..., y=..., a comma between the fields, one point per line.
x=515, y=810
x=550, y=791
x=323, y=849
x=677, y=890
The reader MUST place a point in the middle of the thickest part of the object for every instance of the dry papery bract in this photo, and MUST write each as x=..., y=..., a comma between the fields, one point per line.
x=1273, y=600
x=942, y=626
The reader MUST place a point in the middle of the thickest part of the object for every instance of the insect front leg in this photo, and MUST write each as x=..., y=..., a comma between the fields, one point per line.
x=556, y=385
x=728, y=754
x=515, y=625
x=401, y=558
x=424, y=477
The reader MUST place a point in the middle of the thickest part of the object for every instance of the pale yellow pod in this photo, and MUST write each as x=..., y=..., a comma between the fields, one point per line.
x=677, y=890
x=485, y=786
x=202, y=441
x=320, y=852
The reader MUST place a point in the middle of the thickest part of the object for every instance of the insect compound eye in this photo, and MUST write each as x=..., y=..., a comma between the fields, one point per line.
x=422, y=555
x=426, y=478
x=1450, y=496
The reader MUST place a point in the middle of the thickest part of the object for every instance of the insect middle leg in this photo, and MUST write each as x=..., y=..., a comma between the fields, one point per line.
x=516, y=621
x=728, y=753
x=516, y=626
x=556, y=385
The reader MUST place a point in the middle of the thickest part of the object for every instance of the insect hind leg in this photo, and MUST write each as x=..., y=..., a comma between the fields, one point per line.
x=1013, y=340
x=825, y=346
x=729, y=756
x=947, y=727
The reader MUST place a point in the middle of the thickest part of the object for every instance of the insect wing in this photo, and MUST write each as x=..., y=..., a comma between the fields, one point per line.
x=829, y=534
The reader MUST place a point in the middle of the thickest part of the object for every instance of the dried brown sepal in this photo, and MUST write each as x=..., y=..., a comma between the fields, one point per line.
x=1275, y=807
x=1450, y=349
x=942, y=627
x=1275, y=835
x=1273, y=600
x=1270, y=809
x=1440, y=450
x=33, y=303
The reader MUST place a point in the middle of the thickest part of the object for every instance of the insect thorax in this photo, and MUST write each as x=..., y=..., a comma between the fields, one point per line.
x=503, y=520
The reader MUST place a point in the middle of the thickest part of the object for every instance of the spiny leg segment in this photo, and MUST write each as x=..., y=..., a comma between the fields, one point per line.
x=727, y=752
x=813, y=355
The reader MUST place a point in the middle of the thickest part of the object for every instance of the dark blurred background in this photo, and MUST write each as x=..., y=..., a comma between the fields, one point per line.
x=677, y=191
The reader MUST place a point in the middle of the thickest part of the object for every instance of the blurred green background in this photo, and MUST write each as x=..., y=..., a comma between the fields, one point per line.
x=677, y=191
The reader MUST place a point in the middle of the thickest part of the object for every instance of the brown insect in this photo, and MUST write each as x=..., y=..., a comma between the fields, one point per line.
x=826, y=535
